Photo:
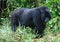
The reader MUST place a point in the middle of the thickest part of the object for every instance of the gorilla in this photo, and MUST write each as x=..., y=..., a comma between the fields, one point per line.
x=35, y=18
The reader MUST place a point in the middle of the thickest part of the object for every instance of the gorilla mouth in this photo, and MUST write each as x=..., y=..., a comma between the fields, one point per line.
x=47, y=19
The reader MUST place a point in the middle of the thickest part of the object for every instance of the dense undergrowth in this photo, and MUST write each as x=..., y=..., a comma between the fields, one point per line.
x=51, y=33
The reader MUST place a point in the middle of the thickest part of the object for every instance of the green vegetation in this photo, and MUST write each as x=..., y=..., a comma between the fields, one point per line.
x=51, y=33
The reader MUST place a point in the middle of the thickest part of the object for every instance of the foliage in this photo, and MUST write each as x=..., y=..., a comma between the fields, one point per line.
x=21, y=35
x=53, y=26
x=54, y=6
x=51, y=33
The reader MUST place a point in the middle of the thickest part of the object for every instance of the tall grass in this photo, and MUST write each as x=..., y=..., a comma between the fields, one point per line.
x=51, y=33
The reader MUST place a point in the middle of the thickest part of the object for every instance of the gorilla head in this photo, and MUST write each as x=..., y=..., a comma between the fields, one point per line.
x=34, y=18
x=46, y=16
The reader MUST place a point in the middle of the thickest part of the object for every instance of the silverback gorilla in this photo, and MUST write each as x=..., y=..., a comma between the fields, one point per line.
x=34, y=18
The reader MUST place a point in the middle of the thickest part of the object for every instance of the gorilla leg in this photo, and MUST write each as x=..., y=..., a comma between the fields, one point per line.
x=39, y=28
x=39, y=24
x=14, y=22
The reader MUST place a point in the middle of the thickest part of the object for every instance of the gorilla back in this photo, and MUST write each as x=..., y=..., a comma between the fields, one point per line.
x=34, y=18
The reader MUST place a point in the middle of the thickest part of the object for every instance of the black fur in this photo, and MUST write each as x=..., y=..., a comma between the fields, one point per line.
x=34, y=18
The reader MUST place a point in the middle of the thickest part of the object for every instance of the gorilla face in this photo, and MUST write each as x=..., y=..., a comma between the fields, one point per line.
x=46, y=15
